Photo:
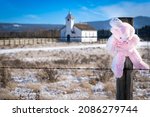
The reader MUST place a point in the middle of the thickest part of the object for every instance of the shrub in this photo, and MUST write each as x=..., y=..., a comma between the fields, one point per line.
x=62, y=62
x=94, y=81
x=48, y=75
x=85, y=60
x=103, y=76
x=5, y=77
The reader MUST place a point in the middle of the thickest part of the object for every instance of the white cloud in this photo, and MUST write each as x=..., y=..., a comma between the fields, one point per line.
x=126, y=9
x=27, y=18
x=32, y=16
x=122, y=9
x=87, y=14
x=84, y=8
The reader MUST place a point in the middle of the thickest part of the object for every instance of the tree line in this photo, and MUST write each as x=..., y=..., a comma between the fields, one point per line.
x=143, y=33
x=30, y=34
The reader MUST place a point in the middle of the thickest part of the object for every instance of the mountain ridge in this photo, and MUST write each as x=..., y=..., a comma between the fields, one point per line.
x=139, y=22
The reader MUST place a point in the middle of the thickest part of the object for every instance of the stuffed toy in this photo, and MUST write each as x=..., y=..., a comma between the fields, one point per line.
x=122, y=44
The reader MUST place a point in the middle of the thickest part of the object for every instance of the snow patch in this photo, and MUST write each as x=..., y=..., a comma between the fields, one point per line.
x=24, y=93
x=16, y=25
x=29, y=78
x=16, y=50
x=99, y=87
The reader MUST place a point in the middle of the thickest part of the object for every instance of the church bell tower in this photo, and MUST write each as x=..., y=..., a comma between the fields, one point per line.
x=69, y=23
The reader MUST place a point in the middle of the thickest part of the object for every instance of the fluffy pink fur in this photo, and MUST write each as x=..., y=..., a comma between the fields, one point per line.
x=122, y=44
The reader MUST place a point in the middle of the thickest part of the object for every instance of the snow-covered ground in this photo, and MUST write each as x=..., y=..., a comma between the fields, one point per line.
x=15, y=50
x=144, y=44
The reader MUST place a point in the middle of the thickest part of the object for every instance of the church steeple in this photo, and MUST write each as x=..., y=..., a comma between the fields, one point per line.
x=69, y=23
x=69, y=16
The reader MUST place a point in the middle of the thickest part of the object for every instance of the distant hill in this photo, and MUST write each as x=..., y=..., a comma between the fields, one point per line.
x=16, y=27
x=100, y=24
x=139, y=22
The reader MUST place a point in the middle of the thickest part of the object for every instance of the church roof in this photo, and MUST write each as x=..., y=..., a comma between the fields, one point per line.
x=84, y=27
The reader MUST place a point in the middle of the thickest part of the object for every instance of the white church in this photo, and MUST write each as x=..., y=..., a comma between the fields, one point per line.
x=77, y=32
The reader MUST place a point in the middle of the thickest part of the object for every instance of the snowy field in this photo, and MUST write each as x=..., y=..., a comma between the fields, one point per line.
x=15, y=50
x=66, y=83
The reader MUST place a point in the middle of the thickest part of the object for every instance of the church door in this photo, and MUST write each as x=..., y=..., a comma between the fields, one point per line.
x=68, y=38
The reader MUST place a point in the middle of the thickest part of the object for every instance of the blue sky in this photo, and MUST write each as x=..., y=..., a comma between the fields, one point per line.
x=54, y=11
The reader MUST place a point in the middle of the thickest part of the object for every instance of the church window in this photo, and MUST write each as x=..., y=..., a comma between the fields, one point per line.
x=85, y=34
x=73, y=31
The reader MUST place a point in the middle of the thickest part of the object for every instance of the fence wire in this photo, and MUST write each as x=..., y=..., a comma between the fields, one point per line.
x=65, y=68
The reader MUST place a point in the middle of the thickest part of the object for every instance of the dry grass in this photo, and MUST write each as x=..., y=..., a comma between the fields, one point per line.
x=104, y=61
x=69, y=91
x=137, y=77
x=82, y=73
x=34, y=86
x=11, y=85
x=45, y=97
x=5, y=95
x=95, y=57
x=109, y=87
x=72, y=88
x=102, y=76
x=61, y=62
x=48, y=75
x=87, y=88
x=85, y=85
x=17, y=63
x=93, y=81
x=99, y=97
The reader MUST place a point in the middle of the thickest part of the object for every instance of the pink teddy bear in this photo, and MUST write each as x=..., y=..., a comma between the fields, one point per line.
x=122, y=44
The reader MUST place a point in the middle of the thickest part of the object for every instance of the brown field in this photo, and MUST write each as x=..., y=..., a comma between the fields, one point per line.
x=38, y=83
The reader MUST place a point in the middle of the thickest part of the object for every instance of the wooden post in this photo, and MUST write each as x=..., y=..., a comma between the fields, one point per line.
x=19, y=41
x=124, y=85
x=9, y=41
x=4, y=42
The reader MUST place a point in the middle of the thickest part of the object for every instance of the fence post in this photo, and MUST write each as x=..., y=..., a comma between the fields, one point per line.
x=4, y=42
x=124, y=85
